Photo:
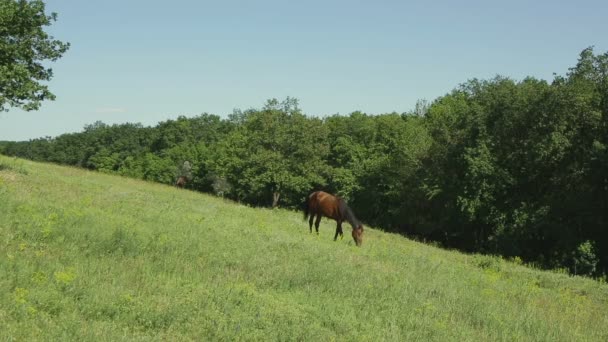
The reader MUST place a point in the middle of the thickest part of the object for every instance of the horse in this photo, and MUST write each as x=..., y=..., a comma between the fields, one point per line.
x=321, y=204
x=181, y=182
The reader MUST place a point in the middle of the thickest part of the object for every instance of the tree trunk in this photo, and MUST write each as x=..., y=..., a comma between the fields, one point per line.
x=275, y=199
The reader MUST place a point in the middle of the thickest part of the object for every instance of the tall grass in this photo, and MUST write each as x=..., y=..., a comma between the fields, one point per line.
x=88, y=256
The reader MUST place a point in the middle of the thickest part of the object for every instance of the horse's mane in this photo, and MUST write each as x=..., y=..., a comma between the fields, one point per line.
x=347, y=213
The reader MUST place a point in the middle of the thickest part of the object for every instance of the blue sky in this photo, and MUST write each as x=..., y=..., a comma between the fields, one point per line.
x=149, y=61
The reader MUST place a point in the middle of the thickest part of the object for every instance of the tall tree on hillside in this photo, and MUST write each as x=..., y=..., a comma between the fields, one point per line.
x=24, y=46
x=275, y=153
x=374, y=159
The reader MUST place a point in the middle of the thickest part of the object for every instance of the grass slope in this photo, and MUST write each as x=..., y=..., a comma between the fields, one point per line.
x=88, y=256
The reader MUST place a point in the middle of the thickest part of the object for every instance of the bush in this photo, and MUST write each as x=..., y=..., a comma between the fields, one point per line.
x=585, y=259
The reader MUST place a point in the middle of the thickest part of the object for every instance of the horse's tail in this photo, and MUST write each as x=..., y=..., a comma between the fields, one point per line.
x=306, y=207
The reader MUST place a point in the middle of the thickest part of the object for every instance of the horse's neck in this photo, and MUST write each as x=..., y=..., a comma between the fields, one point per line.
x=353, y=223
x=347, y=215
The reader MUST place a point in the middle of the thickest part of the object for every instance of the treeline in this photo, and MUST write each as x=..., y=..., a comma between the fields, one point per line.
x=496, y=166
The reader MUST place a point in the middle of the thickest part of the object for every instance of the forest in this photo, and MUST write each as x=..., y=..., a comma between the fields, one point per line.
x=498, y=166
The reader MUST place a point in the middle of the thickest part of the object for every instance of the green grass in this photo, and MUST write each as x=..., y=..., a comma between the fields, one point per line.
x=89, y=256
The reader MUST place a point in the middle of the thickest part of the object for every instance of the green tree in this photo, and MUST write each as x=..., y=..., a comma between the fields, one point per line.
x=24, y=46
x=275, y=153
x=374, y=159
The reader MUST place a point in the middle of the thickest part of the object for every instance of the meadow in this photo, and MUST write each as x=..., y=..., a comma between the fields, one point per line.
x=91, y=256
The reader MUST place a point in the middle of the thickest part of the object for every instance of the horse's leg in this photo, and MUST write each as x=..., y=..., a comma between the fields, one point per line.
x=317, y=223
x=341, y=232
x=338, y=229
x=312, y=217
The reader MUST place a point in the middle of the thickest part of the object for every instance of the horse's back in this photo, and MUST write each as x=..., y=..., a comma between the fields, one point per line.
x=324, y=203
x=322, y=198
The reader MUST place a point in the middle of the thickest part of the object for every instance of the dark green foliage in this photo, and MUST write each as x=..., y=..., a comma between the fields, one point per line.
x=518, y=168
x=496, y=166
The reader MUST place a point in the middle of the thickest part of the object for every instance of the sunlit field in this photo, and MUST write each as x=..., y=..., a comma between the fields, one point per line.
x=90, y=256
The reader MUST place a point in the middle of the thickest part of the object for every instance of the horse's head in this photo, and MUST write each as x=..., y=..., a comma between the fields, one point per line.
x=358, y=235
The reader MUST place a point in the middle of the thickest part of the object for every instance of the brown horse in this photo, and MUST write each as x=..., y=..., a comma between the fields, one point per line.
x=181, y=182
x=321, y=204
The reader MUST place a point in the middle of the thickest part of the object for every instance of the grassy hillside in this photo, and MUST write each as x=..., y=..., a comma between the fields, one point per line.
x=92, y=256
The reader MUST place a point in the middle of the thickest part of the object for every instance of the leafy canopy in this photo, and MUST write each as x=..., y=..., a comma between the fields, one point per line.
x=24, y=46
